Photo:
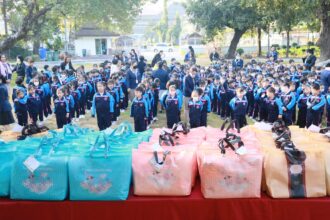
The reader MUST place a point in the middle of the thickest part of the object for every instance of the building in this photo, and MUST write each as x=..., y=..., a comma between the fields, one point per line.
x=91, y=40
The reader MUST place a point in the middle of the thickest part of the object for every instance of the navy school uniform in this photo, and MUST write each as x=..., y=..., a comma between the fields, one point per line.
x=205, y=99
x=250, y=98
x=70, y=100
x=121, y=98
x=139, y=111
x=302, y=110
x=156, y=100
x=34, y=106
x=274, y=108
x=230, y=94
x=61, y=108
x=288, y=101
x=90, y=94
x=123, y=86
x=215, y=99
x=15, y=89
x=114, y=93
x=76, y=97
x=222, y=99
x=173, y=107
x=41, y=93
x=54, y=88
x=260, y=98
x=103, y=107
x=239, y=107
x=315, y=105
x=151, y=104
x=195, y=113
x=21, y=110
x=47, y=99
x=83, y=98
x=328, y=109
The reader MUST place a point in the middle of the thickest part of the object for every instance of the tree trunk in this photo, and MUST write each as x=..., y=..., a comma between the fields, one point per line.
x=36, y=46
x=287, y=44
x=4, y=13
x=259, y=43
x=324, y=41
x=234, y=42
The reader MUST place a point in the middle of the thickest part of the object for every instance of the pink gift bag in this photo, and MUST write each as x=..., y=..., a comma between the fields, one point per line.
x=163, y=173
x=148, y=146
x=229, y=175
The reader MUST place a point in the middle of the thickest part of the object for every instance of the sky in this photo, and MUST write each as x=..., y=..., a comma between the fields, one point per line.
x=156, y=8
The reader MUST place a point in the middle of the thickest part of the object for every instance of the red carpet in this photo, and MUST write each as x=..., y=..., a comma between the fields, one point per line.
x=170, y=208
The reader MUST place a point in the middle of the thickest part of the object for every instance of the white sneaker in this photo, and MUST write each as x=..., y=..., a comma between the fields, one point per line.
x=76, y=119
x=17, y=128
x=155, y=119
x=40, y=123
x=122, y=110
x=114, y=123
x=148, y=127
x=81, y=116
x=88, y=111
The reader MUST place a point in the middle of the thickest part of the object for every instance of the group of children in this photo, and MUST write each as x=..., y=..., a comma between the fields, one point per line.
x=261, y=91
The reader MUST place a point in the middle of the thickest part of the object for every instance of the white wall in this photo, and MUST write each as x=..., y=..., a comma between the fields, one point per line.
x=88, y=43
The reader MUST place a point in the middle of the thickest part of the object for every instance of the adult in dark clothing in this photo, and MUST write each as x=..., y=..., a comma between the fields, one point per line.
x=141, y=65
x=325, y=78
x=6, y=115
x=157, y=58
x=189, y=86
x=190, y=56
x=133, y=78
x=20, y=67
x=67, y=64
x=162, y=75
x=133, y=56
x=310, y=59
x=214, y=55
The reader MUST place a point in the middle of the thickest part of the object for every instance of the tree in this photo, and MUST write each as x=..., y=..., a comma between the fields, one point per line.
x=162, y=27
x=175, y=31
x=215, y=16
x=112, y=14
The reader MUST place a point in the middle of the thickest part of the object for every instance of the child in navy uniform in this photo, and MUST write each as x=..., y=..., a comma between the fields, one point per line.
x=82, y=88
x=328, y=108
x=20, y=106
x=239, y=106
x=195, y=110
x=315, y=105
x=172, y=104
x=103, y=106
x=230, y=94
x=114, y=93
x=302, y=106
x=274, y=106
x=75, y=93
x=222, y=99
x=70, y=100
x=19, y=86
x=205, y=99
x=40, y=92
x=155, y=92
x=139, y=110
x=55, y=85
x=288, y=100
x=34, y=105
x=61, y=108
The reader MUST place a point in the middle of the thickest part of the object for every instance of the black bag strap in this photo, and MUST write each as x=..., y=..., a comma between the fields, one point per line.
x=166, y=137
x=165, y=153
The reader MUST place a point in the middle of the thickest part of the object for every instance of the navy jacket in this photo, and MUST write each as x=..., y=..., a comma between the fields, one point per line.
x=133, y=79
x=163, y=76
x=189, y=86
x=325, y=79
x=5, y=105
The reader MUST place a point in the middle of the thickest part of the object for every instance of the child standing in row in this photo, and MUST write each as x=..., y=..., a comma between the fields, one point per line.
x=195, y=110
x=172, y=104
x=239, y=106
x=61, y=108
x=139, y=110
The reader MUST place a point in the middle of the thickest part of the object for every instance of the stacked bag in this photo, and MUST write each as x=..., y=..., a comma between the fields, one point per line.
x=82, y=163
x=166, y=166
x=230, y=166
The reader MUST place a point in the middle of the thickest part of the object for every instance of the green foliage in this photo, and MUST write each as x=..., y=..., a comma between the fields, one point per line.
x=162, y=27
x=240, y=51
x=174, y=33
x=299, y=51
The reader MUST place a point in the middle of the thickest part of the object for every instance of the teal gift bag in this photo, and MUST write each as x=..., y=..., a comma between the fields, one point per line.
x=7, y=152
x=39, y=176
x=100, y=175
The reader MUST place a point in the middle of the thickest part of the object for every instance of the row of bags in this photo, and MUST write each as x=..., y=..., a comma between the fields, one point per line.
x=84, y=164
x=252, y=164
x=172, y=170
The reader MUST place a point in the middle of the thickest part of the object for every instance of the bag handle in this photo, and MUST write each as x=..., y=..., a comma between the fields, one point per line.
x=74, y=130
x=165, y=154
x=166, y=137
x=230, y=140
x=295, y=156
x=104, y=141
x=123, y=129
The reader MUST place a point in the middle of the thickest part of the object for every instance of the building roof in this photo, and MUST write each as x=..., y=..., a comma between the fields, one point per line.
x=94, y=31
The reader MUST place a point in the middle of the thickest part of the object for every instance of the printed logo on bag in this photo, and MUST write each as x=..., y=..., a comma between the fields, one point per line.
x=38, y=183
x=98, y=184
x=162, y=175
